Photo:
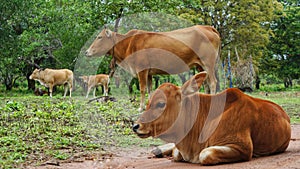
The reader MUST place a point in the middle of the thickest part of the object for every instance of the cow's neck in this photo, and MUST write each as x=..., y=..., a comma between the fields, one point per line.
x=119, y=49
x=208, y=117
x=190, y=119
x=42, y=75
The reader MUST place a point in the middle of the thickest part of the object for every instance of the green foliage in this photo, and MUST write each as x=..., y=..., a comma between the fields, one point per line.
x=283, y=55
x=52, y=33
x=36, y=129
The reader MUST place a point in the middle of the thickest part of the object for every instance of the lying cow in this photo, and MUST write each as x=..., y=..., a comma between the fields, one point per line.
x=212, y=129
x=53, y=77
x=94, y=81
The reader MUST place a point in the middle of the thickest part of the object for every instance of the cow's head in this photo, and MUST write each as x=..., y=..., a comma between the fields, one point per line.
x=84, y=78
x=102, y=44
x=164, y=108
x=35, y=74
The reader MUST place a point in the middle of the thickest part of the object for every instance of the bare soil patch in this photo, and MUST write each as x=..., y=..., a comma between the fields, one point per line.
x=140, y=158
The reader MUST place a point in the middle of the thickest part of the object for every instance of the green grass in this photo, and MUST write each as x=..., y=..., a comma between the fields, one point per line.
x=37, y=129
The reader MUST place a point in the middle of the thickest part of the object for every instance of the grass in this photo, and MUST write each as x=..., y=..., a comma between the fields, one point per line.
x=37, y=129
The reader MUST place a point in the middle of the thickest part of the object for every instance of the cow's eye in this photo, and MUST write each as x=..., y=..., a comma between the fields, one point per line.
x=99, y=37
x=160, y=105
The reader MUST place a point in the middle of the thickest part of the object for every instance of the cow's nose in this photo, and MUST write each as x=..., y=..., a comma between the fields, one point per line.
x=86, y=53
x=135, y=127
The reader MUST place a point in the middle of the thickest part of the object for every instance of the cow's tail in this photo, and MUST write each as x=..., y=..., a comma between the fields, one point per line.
x=108, y=79
x=73, y=82
x=216, y=66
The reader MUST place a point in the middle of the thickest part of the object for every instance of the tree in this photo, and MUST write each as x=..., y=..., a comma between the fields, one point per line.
x=283, y=56
x=52, y=33
x=12, y=24
x=244, y=25
x=49, y=34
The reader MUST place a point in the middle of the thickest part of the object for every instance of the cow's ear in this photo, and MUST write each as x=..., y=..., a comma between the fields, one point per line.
x=108, y=33
x=192, y=86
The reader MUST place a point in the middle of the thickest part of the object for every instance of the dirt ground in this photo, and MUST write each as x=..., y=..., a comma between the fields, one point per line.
x=142, y=159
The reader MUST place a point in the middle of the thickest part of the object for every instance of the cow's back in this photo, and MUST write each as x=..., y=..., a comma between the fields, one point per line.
x=102, y=78
x=59, y=76
x=195, y=34
x=256, y=122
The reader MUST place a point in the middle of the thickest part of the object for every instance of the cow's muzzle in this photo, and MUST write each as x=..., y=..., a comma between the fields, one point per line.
x=142, y=134
x=87, y=53
x=135, y=127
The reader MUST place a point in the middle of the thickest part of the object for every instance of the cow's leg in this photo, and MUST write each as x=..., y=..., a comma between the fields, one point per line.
x=105, y=89
x=212, y=80
x=65, y=89
x=206, y=86
x=50, y=89
x=88, y=92
x=225, y=154
x=70, y=88
x=163, y=150
x=149, y=84
x=143, y=75
x=94, y=92
x=177, y=155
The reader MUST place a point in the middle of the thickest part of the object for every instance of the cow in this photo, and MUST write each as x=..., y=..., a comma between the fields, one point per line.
x=211, y=129
x=54, y=77
x=94, y=81
x=144, y=53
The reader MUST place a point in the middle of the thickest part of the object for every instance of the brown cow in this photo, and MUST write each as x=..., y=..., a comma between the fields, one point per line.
x=145, y=53
x=94, y=81
x=212, y=129
x=53, y=77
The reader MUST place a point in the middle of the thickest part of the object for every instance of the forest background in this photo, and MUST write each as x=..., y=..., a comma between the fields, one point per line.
x=260, y=38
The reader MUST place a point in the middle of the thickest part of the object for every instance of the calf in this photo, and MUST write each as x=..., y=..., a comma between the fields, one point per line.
x=211, y=129
x=53, y=77
x=94, y=81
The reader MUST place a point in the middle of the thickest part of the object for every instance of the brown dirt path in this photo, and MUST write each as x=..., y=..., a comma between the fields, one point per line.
x=141, y=159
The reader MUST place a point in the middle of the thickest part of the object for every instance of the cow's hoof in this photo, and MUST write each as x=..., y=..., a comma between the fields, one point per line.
x=158, y=153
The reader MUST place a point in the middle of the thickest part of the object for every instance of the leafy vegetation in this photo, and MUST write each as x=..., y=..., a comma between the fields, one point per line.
x=37, y=129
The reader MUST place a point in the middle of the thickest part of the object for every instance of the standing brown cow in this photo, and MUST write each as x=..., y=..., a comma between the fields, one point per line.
x=94, y=81
x=53, y=77
x=145, y=53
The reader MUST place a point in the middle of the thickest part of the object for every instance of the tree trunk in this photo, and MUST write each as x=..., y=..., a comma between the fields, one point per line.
x=31, y=83
x=8, y=86
x=9, y=82
x=156, y=78
x=257, y=82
